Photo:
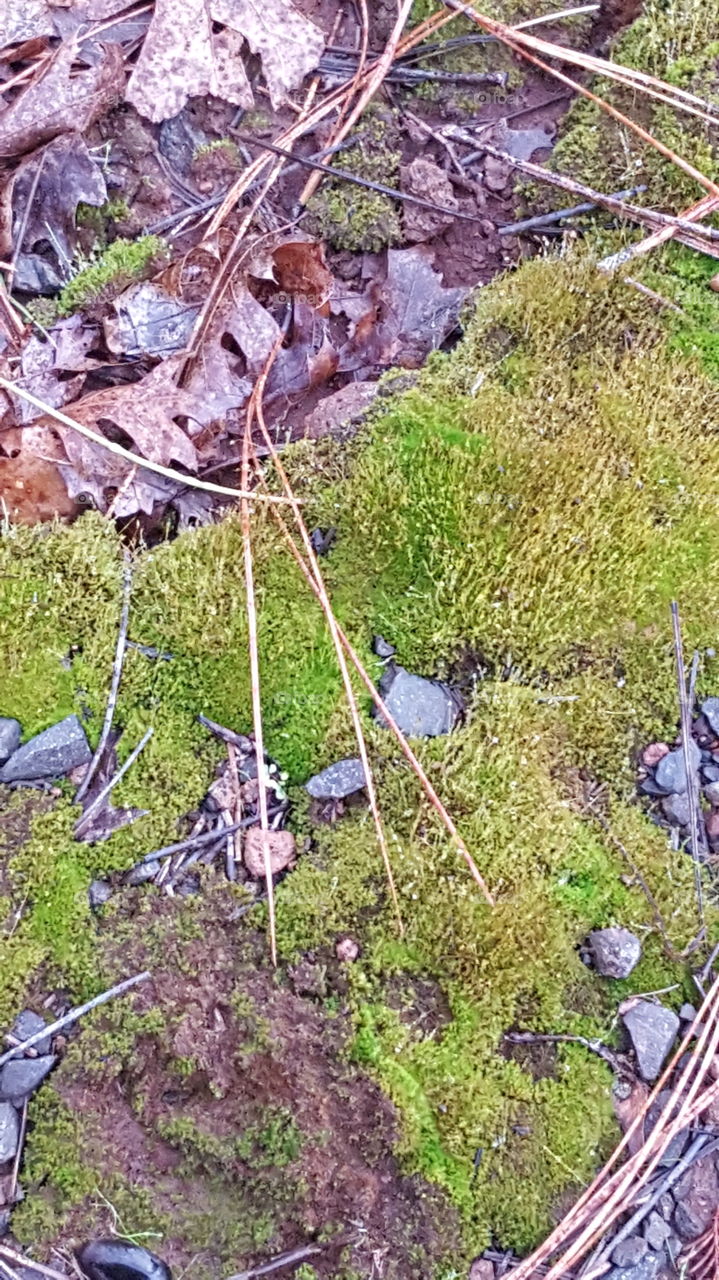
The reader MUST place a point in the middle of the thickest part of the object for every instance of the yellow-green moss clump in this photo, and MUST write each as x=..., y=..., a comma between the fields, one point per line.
x=121, y=263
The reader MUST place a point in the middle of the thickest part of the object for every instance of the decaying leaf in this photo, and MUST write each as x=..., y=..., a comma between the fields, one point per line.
x=300, y=269
x=403, y=318
x=149, y=321
x=40, y=201
x=183, y=57
x=32, y=484
x=57, y=102
x=27, y=19
x=46, y=364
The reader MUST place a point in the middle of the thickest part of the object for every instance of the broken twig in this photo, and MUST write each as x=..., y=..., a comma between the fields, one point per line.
x=68, y=1018
x=102, y=795
x=115, y=683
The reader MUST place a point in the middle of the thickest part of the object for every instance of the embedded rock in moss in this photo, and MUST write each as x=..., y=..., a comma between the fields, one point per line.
x=10, y=731
x=57, y=750
x=615, y=952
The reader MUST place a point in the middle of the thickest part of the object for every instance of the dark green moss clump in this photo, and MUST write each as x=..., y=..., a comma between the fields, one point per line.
x=119, y=265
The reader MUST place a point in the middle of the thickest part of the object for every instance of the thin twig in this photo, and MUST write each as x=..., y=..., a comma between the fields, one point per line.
x=326, y=606
x=252, y=641
x=190, y=842
x=595, y=1046
x=291, y=1258
x=701, y=209
x=691, y=775
x=73, y=1015
x=344, y=174
x=17, y=249
x=109, y=786
x=18, y=1154
x=178, y=476
x=115, y=682
x=632, y=212
x=653, y=296
x=21, y=1260
x=558, y=215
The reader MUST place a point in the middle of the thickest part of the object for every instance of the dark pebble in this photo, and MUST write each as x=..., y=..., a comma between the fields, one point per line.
x=10, y=731
x=382, y=647
x=120, y=1260
x=21, y=1076
x=28, y=1024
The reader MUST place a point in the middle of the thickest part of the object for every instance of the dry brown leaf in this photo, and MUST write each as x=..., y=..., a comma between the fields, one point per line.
x=32, y=484
x=183, y=57
x=45, y=364
x=57, y=102
x=300, y=269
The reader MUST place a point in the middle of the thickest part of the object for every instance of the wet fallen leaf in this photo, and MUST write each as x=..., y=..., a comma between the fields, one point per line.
x=403, y=318
x=57, y=102
x=300, y=270
x=46, y=363
x=40, y=201
x=149, y=321
x=182, y=56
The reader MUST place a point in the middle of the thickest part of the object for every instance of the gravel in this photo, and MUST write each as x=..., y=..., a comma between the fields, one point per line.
x=338, y=781
x=671, y=775
x=20, y=1077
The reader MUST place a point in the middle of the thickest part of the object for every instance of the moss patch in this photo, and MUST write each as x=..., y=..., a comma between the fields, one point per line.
x=535, y=523
x=118, y=266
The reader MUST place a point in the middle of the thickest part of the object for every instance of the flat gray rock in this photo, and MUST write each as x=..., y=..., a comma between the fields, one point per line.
x=710, y=711
x=10, y=731
x=629, y=1252
x=670, y=773
x=676, y=809
x=422, y=708
x=615, y=952
x=9, y=1132
x=99, y=893
x=28, y=1024
x=49, y=754
x=648, y=1269
x=338, y=781
x=652, y=1030
x=656, y=1231
x=21, y=1076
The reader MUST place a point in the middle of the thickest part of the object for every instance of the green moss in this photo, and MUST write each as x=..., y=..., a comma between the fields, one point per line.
x=119, y=265
x=676, y=42
x=349, y=216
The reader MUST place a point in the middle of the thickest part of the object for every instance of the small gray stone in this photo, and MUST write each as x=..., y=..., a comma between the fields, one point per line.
x=652, y=1030
x=629, y=1252
x=49, y=754
x=21, y=1076
x=382, y=647
x=9, y=1132
x=647, y=1269
x=338, y=780
x=710, y=711
x=678, y=1143
x=656, y=1231
x=711, y=791
x=28, y=1024
x=676, y=809
x=9, y=737
x=99, y=893
x=670, y=773
x=687, y=1013
x=697, y=1196
x=615, y=952
x=422, y=708
x=710, y=772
